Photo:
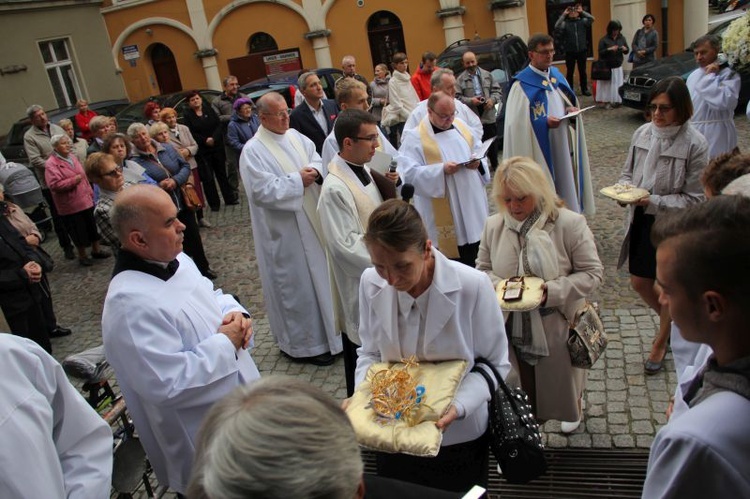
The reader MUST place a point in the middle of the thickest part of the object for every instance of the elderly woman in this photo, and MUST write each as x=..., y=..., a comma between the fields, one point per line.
x=79, y=145
x=612, y=46
x=666, y=158
x=440, y=310
x=205, y=126
x=73, y=198
x=533, y=235
x=102, y=170
x=151, y=112
x=164, y=164
x=243, y=124
x=645, y=42
x=119, y=146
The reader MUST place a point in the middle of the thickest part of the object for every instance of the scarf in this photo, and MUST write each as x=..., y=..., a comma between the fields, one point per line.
x=538, y=258
x=734, y=377
x=661, y=139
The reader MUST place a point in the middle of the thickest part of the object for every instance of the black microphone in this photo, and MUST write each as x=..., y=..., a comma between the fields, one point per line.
x=407, y=192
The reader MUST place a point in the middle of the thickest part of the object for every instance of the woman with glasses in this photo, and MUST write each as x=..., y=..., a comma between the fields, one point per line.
x=102, y=170
x=666, y=158
x=119, y=146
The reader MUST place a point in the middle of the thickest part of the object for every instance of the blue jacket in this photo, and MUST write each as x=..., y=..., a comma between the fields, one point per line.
x=240, y=131
x=169, y=159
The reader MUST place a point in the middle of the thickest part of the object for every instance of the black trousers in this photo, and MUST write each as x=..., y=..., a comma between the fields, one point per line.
x=467, y=254
x=212, y=170
x=31, y=324
x=192, y=243
x=579, y=58
x=350, y=362
x=233, y=168
x=489, y=131
x=62, y=234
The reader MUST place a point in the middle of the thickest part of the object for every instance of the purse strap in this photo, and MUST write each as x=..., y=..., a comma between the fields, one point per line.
x=499, y=379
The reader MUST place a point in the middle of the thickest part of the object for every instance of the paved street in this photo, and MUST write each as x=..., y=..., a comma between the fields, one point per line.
x=624, y=408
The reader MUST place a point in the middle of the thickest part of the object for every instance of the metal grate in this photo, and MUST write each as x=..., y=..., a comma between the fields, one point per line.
x=572, y=473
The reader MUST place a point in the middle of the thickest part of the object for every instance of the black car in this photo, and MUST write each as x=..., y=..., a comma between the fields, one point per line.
x=286, y=84
x=636, y=89
x=177, y=101
x=12, y=147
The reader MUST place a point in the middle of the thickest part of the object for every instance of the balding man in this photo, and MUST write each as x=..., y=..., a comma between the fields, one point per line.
x=177, y=345
x=479, y=90
x=448, y=184
x=313, y=118
x=443, y=80
x=349, y=67
x=282, y=174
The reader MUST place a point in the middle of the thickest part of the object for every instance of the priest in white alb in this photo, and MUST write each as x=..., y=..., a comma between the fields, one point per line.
x=282, y=173
x=439, y=160
x=534, y=126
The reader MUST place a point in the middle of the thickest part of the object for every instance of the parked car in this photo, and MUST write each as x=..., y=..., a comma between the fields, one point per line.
x=177, y=100
x=635, y=90
x=12, y=146
x=286, y=83
x=503, y=57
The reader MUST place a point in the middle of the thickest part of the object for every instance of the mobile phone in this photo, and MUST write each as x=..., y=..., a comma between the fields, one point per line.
x=513, y=289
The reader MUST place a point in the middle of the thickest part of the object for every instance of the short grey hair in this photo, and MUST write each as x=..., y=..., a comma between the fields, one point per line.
x=32, y=110
x=263, y=102
x=135, y=128
x=713, y=41
x=57, y=138
x=302, y=80
x=125, y=215
x=226, y=80
x=277, y=438
x=99, y=123
x=437, y=76
x=157, y=128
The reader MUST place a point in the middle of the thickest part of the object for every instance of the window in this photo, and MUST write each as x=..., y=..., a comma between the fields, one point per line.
x=261, y=42
x=60, y=71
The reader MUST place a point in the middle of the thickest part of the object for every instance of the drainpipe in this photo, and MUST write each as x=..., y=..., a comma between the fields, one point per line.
x=664, y=28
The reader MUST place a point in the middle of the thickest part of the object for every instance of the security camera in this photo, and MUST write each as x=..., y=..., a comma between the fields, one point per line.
x=360, y=3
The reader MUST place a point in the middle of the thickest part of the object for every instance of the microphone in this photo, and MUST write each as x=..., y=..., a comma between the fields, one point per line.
x=407, y=192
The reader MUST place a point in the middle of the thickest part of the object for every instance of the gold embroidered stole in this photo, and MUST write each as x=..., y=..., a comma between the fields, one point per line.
x=311, y=192
x=447, y=242
x=362, y=201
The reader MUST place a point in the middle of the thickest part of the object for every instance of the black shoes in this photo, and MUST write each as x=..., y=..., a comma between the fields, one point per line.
x=59, y=332
x=100, y=255
x=586, y=93
x=232, y=202
x=86, y=262
x=210, y=274
x=324, y=359
x=69, y=253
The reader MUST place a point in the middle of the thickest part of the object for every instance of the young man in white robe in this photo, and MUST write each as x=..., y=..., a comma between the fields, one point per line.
x=715, y=90
x=52, y=443
x=439, y=161
x=282, y=174
x=352, y=94
x=701, y=270
x=177, y=346
x=538, y=99
x=351, y=191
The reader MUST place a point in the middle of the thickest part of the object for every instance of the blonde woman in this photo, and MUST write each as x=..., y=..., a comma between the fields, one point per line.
x=534, y=235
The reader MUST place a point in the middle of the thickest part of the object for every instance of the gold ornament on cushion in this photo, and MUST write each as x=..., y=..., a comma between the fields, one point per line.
x=624, y=193
x=396, y=395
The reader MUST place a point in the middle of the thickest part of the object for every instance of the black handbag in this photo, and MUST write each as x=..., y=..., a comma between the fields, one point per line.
x=515, y=440
x=600, y=70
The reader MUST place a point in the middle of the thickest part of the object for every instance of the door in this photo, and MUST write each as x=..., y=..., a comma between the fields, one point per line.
x=165, y=69
x=386, y=36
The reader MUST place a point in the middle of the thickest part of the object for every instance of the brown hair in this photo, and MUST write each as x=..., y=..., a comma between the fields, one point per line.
x=723, y=169
x=107, y=144
x=397, y=225
x=94, y=164
x=679, y=96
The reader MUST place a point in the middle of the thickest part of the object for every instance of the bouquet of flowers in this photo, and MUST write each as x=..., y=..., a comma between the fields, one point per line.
x=735, y=41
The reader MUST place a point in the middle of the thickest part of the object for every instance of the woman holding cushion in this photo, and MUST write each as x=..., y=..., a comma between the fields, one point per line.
x=436, y=310
x=533, y=235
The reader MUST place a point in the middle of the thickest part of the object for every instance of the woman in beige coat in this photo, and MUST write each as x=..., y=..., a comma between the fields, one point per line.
x=534, y=235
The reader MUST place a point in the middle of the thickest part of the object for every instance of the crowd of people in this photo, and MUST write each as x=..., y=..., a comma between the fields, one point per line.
x=347, y=268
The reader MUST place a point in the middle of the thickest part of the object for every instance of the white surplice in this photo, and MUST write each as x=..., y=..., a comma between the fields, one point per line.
x=331, y=147
x=465, y=188
x=347, y=254
x=463, y=112
x=161, y=338
x=291, y=259
x=52, y=443
x=714, y=98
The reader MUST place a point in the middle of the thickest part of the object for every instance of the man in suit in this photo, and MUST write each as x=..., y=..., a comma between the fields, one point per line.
x=315, y=116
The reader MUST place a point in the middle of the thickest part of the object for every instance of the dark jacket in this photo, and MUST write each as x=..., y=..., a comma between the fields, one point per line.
x=574, y=31
x=240, y=131
x=614, y=59
x=304, y=122
x=203, y=127
x=16, y=292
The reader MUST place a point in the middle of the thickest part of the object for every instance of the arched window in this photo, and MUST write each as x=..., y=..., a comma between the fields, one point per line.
x=386, y=36
x=165, y=69
x=261, y=42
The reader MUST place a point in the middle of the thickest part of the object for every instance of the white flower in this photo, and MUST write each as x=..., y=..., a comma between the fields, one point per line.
x=736, y=41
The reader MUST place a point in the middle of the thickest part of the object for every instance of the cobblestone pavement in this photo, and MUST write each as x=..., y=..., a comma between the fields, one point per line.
x=624, y=409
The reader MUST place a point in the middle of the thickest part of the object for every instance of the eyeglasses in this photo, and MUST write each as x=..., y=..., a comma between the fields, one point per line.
x=444, y=116
x=113, y=173
x=372, y=138
x=546, y=52
x=662, y=108
x=279, y=114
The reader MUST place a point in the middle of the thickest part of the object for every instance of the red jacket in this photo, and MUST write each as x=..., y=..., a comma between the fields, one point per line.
x=69, y=195
x=82, y=123
x=421, y=83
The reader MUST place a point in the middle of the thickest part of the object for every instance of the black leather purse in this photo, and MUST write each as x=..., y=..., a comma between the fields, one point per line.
x=515, y=440
x=600, y=70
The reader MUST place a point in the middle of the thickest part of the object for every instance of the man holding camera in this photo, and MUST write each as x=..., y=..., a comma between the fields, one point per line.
x=479, y=90
x=574, y=24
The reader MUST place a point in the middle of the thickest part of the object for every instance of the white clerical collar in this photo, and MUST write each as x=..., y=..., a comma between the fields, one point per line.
x=540, y=72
